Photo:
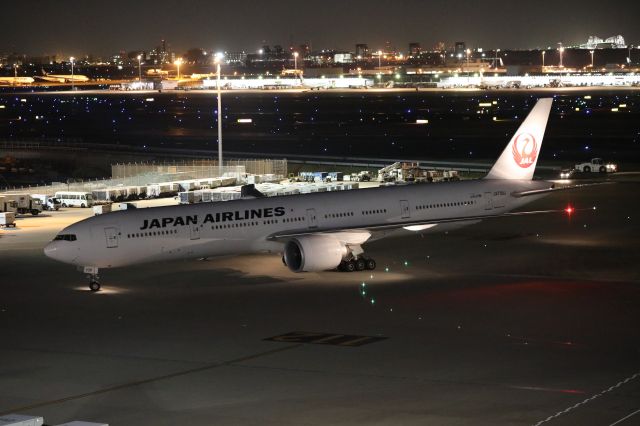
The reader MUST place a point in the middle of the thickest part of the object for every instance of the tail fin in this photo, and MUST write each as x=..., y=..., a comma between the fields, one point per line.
x=519, y=158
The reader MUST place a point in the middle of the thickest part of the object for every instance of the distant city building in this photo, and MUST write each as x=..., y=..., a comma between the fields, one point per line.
x=343, y=57
x=459, y=49
x=238, y=58
x=595, y=42
x=414, y=49
x=362, y=50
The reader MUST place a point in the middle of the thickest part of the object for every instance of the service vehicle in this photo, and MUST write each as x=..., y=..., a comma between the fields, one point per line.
x=7, y=219
x=596, y=165
x=567, y=173
x=75, y=199
x=48, y=202
x=21, y=204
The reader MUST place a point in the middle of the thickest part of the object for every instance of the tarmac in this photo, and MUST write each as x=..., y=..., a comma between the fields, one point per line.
x=515, y=321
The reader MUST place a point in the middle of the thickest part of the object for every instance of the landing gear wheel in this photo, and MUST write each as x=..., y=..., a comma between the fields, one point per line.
x=370, y=264
x=94, y=285
x=349, y=266
x=360, y=265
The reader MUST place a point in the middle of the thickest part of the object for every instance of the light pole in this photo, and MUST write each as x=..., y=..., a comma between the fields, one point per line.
x=295, y=60
x=177, y=64
x=72, y=79
x=379, y=58
x=591, y=51
x=218, y=60
x=561, y=49
x=543, y=53
x=140, y=68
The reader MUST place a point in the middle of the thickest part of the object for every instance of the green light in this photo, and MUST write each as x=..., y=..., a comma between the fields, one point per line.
x=373, y=301
x=386, y=269
x=364, y=285
x=406, y=263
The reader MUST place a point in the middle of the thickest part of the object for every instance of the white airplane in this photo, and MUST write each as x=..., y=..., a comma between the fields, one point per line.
x=63, y=78
x=314, y=232
x=16, y=80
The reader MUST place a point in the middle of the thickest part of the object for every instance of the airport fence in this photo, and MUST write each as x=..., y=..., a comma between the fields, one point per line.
x=201, y=168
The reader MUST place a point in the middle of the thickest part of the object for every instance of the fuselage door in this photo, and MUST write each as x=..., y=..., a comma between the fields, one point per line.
x=194, y=231
x=405, y=213
x=111, y=235
x=312, y=221
x=488, y=201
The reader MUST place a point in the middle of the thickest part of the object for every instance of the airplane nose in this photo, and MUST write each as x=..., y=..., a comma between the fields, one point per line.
x=52, y=250
x=58, y=250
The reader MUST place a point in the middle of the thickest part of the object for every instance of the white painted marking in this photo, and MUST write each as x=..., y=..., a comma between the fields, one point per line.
x=625, y=418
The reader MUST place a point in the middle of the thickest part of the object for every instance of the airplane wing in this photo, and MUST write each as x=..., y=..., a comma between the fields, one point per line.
x=554, y=189
x=349, y=234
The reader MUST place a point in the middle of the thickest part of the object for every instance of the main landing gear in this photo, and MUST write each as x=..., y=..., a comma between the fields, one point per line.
x=92, y=276
x=357, y=264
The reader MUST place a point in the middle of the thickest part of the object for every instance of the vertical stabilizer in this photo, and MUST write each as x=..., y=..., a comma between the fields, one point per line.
x=519, y=158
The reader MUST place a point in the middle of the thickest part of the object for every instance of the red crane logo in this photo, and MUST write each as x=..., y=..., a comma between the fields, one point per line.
x=525, y=150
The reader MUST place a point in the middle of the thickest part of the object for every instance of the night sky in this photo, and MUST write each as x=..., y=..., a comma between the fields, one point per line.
x=103, y=27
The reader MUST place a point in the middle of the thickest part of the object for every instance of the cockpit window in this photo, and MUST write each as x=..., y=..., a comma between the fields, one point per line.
x=65, y=237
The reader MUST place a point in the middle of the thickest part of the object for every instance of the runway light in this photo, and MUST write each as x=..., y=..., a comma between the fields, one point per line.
x=569, y=210
x=422, y=121
x=245, y=120
x=386, y=269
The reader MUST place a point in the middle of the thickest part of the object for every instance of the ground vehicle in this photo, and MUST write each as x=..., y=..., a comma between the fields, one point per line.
x=7, y=219
x=596, y=165
x=20, y=204
x=48, y=202
x=566, y=173
x=75, y=199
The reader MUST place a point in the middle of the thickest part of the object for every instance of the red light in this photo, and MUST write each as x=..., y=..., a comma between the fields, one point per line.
x=569, y=210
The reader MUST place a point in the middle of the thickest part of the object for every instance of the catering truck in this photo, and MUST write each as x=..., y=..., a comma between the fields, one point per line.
x=20, y=204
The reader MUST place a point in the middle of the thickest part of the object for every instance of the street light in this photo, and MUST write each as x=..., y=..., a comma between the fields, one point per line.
x=543, y=52
x=591, y=51
x=379, y=58
x=139, y=68
x=295, y=60
x=218, y=60
x=72, y=82
x=561, y=49
x=177, y=63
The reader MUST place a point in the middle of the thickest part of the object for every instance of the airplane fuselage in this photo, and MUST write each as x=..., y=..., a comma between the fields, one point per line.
x=248, y=225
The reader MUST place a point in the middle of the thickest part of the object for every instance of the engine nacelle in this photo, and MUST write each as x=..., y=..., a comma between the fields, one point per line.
x=313, y=253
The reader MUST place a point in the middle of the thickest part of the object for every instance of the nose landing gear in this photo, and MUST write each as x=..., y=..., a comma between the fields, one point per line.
x=94, y=284
x=92, y=276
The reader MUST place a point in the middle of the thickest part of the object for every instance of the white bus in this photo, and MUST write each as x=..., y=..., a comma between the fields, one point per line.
x=75, y=199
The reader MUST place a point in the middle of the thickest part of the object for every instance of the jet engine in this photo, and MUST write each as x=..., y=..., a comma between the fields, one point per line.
x=313, y=253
